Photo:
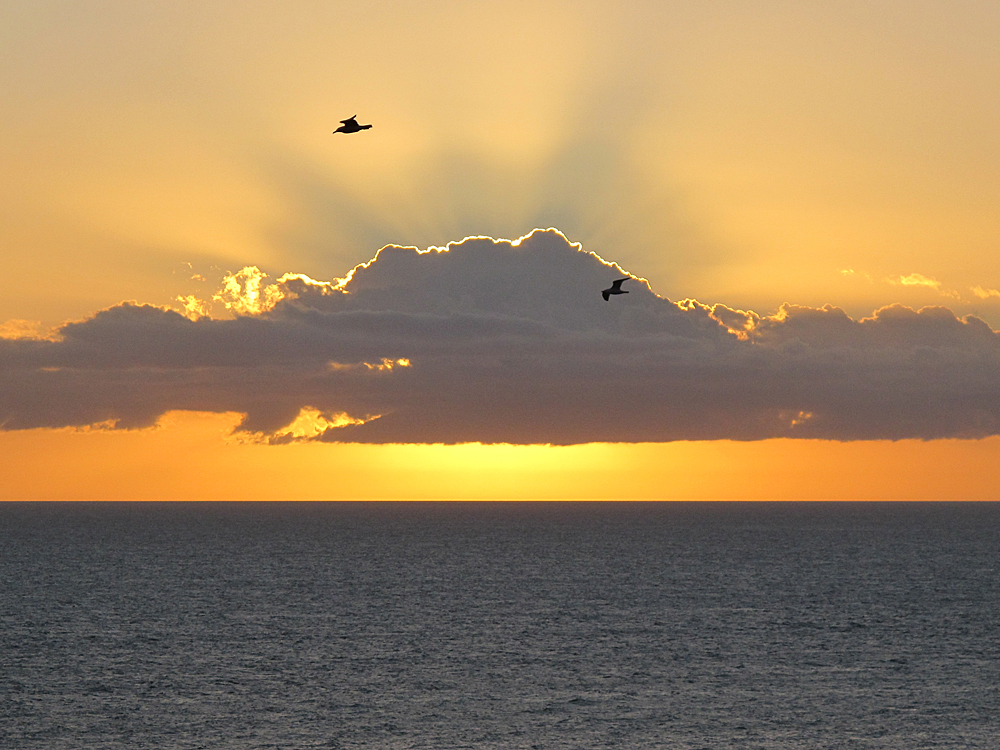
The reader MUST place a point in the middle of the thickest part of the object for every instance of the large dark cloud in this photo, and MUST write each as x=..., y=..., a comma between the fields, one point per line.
x=512, y=342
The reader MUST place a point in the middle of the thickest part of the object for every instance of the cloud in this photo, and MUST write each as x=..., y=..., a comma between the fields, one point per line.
x=24, y=329
x=850, y=272
x=926, y=282
x=497, y=341
x=917, y=279
x=985, y=293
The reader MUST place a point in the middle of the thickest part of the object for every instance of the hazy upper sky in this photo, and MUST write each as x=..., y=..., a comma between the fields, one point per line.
x=744, y=154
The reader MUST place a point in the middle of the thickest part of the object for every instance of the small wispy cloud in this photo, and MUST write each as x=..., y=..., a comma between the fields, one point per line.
x=192, y=307
x=850, y=272
x=916, y=279
x=984, y=293
x=25, y=329
x=312, y=424
x=920, y=281
x=245, y=292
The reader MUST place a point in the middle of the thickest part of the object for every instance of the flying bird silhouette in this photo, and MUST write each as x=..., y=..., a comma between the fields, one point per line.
x=350, y=125
x=615, y=288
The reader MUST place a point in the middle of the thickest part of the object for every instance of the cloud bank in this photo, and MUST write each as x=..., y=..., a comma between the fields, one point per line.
x=497, y=341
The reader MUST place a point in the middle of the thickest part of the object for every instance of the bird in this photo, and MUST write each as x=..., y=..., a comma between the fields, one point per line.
x=615, y=288
x=350, y=125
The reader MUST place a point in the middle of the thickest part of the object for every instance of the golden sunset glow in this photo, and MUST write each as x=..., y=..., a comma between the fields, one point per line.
x=191, y=456
x=791, y=163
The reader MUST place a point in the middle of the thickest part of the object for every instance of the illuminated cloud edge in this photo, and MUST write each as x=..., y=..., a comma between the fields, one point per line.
x=495, y=341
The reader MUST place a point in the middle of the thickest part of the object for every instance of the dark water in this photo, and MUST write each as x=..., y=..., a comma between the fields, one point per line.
x=500, y=626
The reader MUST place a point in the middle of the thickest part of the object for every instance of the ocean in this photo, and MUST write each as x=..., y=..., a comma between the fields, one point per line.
x=506, y=625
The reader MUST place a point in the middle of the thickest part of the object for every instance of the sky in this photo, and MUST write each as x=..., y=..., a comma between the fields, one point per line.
x=206, y=294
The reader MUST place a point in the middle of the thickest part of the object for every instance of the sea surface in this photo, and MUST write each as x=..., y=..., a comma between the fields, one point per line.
x=468, y=625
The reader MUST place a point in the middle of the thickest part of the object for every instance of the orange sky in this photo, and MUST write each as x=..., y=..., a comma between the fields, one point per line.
x=740, y=153
x=192, y=457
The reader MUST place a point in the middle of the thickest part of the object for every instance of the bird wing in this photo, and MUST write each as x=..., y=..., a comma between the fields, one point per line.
x=606, y=295
x=617, y=284
x=349, y=120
